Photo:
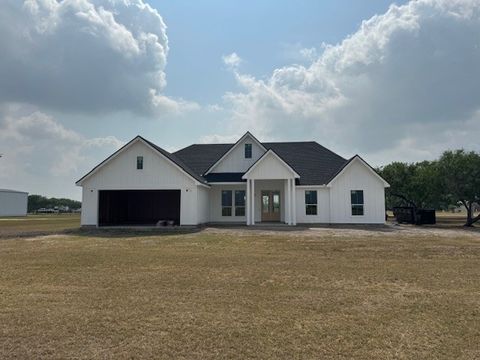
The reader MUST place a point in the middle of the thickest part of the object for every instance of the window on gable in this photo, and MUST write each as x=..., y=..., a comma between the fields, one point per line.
x=240, y=202
x=139, y=162
x=248, y=151
x=357, y=202
x=311, y=202
x=226, y=202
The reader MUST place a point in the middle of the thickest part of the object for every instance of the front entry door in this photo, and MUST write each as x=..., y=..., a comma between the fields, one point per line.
x=270, y=205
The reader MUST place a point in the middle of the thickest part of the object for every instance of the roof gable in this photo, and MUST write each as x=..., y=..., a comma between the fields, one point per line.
x=234, y=151
x=349, y=163
x=158, y=150
x=274, y=167
x=314, y=163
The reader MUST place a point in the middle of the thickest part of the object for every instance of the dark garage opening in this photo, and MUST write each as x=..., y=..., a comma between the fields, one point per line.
x=138, y=207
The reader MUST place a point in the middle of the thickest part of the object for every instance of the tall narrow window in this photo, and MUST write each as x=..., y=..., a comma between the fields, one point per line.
x=139, y=162
x=226, y=202
x=311, y=202
x=357, y=202
x=248, y=151
x=240, y=202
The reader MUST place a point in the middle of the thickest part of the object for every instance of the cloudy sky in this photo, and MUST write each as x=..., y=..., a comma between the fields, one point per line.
x=78, y=78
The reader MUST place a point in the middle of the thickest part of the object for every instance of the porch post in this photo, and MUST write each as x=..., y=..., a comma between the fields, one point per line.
x=248, y=202
x=289, y=202
x=285, y=200
x=252, y=210
x=294, y=205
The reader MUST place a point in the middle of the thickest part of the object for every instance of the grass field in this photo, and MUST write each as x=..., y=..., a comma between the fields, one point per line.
x=38, y=224
x=327, y=293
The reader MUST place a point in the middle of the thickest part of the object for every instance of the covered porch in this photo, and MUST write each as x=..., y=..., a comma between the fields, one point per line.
x=270, y=191
x=270, y=201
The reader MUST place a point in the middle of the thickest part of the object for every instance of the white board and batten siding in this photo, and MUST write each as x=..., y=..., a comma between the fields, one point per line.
x=235, y=160
x=269, y=168
x=13, y=203
x=323, y=205
x=158, y=173
x=215, y=204
x=260, y=185
x=203, y=205
x=357, y=176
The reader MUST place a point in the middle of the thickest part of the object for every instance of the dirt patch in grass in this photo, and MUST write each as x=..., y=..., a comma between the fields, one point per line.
x=220, y=293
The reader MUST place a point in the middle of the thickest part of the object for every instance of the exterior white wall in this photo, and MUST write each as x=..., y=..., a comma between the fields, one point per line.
x=203, y=205
x=13, y=203
x=216, y=204
x=357, y=177
x=270, y=167
x=323, y=205
x=121, y=173
x=235, y=161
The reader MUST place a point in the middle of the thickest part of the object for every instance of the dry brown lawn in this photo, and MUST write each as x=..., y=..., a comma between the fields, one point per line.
x=328, y=293
x=37, y=224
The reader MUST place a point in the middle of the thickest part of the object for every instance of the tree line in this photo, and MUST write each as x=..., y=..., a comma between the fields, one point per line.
x=36, y=202
x=441, y=184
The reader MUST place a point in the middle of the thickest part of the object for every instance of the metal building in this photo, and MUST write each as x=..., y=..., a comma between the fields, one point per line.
x=13, y=203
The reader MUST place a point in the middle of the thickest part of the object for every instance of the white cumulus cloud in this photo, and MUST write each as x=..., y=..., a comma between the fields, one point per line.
x=40, y=153
x=85, y=56
x=404, y=86
x=232, y=60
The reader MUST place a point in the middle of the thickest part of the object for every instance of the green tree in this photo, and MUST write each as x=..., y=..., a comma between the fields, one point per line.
x=459, y=172
x=36, y=202
x=413, y=184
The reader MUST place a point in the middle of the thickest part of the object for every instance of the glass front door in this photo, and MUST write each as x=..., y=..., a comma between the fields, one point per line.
x=270, y=205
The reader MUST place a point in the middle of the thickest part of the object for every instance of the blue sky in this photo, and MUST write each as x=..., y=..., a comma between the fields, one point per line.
x=265, y=33
x=390, y=81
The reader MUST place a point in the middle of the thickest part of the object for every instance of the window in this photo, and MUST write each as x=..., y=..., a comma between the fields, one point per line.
x=226, y=202
x=240, y=202
x=311, y=202
x=248, y=151
x=139, y=162
x=357, y=202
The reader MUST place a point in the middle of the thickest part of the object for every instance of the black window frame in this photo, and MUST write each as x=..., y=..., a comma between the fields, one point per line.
x=227, y=206
x=239, y=208
x=357, y=202
x=248, y=151
x=311, y=205
x=139, y=162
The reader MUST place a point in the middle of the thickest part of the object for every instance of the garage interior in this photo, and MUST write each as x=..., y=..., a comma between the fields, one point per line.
x=138, y=207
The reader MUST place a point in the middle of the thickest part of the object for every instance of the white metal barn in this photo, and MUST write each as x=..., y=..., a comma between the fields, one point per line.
x=13, y=203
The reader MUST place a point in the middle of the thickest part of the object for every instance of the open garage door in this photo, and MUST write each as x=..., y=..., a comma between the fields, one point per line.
x=138, y=207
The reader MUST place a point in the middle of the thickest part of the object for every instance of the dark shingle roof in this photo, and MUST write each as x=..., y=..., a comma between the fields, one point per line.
x=315, y=164
x=200, y=157
x=188, y=169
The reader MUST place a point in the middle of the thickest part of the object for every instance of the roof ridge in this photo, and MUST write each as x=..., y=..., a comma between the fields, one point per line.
x=290, y=142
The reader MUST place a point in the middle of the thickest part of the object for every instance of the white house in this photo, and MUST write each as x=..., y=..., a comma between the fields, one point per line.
x=13, y=203
x=248, y=182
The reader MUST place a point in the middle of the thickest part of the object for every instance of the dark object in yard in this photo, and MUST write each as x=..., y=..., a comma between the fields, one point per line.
x=412, y=215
